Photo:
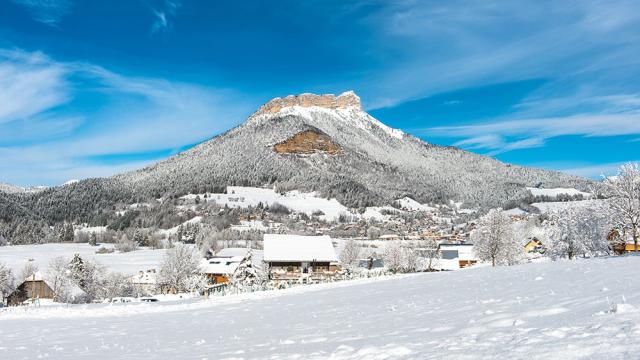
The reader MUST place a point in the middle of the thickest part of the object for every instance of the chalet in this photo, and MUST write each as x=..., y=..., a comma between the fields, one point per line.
x=456, y=256
x=220, y=267
x=533, y=245
x=300, y=258
x=33, y=288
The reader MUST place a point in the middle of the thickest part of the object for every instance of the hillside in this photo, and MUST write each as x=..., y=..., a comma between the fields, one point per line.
x=554, y=310
x=321, y=143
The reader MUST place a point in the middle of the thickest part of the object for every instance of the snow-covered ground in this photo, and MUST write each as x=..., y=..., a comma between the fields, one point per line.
x=554, y=192
x=550, y=310
x=129, y=263
x=546, y=207
x=239, y=196
x=308, y=203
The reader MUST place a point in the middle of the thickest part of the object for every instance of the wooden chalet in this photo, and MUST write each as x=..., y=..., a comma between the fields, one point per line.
x=219, y=268
x=304, y=259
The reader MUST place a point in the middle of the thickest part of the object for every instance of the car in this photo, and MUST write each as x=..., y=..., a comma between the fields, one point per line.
x=149, y=299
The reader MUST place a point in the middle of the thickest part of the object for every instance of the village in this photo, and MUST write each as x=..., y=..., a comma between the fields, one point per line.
x=247, y=240
x=278, y=261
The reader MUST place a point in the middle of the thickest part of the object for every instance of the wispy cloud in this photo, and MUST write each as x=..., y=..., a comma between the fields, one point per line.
x=30, y=85
x=597, y=171
x=49, y=12
x=143, y=115
x=584, y=125
x=455, y=44
x=164, y=12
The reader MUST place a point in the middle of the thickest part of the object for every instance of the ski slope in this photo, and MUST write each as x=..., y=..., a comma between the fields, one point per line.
x=551, y=310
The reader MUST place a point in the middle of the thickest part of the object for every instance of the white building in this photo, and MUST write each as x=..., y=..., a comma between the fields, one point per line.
x=456, y=256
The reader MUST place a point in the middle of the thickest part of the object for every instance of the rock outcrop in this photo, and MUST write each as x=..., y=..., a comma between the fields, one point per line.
x=329, y=101
x=308, y=142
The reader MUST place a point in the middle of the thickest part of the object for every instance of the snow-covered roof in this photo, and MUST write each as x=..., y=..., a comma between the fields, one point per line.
x=279, y=247
x=232, y=251
x=144, y=277
x=225, y=262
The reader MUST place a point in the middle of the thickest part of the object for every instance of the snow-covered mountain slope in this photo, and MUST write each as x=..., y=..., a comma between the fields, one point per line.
x=13, y=189
x=586, y=309
x=312, y=143
x=374, y=165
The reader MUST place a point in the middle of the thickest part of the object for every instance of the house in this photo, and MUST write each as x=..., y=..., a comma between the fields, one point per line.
x=624, y=248
x=456, y=256
x=33, y=288
x=219, y=268
x=533, y=245
x=300, y=258
x=145, y=283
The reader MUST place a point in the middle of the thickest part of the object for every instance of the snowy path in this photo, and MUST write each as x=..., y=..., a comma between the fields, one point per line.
x=535, y=311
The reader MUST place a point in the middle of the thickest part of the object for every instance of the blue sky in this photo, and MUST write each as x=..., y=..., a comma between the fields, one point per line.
x=93, y=88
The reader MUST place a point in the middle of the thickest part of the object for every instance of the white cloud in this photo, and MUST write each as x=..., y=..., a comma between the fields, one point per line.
x=164, y=13
x=144, y=115
x=584, y=125
x=30, y=85
x=444, y=46
x=49, y=12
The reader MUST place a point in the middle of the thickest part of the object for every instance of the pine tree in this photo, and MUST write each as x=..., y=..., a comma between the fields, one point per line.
x=93, y=239
x=77, y=268
x=247, y=277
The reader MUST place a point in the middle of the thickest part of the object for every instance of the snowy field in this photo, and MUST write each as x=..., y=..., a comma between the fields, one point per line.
x=550, y=310
x=546, y=207
x=554, y=192
x=129, y=263
x=308, y=203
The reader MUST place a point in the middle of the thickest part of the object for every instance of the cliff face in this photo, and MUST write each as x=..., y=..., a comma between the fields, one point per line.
x=345, y=100
x=307, y=142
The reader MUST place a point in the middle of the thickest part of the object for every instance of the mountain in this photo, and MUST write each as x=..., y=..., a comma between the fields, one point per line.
x=322, y=143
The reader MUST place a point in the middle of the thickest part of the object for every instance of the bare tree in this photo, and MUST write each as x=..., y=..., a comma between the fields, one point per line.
x=27, y=271
x=125, y=245
x=624, y=200
x=350, y=254
x=392, y=256
x=116, y=284
x=180, y=263
x=494, y=240
x=577, y=231
x=431, y=254
x=7, y=282
x=59, y=277
x=410, y=258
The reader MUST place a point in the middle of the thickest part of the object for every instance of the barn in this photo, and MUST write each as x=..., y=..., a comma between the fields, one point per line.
x=33, y=288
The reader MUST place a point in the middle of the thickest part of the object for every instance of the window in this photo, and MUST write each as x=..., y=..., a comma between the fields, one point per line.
x=449, y=254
